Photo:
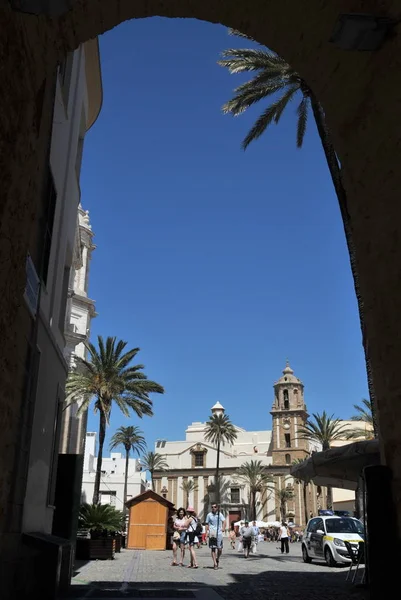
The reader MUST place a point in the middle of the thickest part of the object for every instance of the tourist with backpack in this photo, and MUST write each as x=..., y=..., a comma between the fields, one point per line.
x=194, y=531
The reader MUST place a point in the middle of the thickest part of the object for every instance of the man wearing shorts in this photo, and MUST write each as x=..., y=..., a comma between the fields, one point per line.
x=215, y=524
x=246, y=533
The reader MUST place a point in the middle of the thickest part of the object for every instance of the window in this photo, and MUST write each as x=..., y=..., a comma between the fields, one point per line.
x=47, y=222
x=286, y=400
x=287, y=438
x=312, y=525
x=199, y=459
x=235, y=496
x=288, y=459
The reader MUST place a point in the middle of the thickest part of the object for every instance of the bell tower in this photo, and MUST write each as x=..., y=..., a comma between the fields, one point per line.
x=289, y=413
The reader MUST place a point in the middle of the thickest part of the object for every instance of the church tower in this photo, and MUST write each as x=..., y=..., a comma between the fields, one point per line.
x=289, y=413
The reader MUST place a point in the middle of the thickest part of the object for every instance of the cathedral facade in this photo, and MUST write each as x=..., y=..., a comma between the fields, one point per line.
x=194, y=460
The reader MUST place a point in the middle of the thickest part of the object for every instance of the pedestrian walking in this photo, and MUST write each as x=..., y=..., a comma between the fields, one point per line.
x=232, y=536
x=180, y=525
x=284, y=536
x=246, y=533
x=193, y=527
x=255, y=537
x=215, y=524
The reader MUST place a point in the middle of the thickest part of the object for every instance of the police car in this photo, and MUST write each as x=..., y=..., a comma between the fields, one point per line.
x=325, y=538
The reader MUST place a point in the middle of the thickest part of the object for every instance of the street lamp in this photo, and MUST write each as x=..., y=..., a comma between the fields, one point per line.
x=357, y=31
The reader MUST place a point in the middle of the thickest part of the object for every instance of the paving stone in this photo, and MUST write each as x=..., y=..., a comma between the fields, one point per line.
x=268, y=575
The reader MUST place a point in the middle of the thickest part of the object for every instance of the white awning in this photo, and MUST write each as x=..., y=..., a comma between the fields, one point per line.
x=338, y=467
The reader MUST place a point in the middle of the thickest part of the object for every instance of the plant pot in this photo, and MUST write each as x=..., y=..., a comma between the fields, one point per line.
x=118, y=539
x=102, y=548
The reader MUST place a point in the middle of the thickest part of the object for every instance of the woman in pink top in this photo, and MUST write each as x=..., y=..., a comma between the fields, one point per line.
x=180, y=525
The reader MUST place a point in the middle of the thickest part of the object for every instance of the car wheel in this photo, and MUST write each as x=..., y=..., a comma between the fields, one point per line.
x=329, y=557
x=305, y=555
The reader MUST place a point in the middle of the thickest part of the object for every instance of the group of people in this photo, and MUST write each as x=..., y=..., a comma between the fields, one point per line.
x=187, y=531
x=249, y=536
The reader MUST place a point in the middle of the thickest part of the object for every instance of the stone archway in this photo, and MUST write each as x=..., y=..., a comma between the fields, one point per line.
x=362, y=99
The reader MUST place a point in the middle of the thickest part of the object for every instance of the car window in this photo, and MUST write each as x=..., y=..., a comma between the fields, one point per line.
x=319, y=524
x=312, y=526
x=344, y=525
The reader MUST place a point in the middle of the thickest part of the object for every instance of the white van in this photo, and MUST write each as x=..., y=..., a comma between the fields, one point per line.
x=325, y=536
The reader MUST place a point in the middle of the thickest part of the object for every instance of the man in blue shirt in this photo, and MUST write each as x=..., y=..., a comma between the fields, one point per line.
x=215, y=525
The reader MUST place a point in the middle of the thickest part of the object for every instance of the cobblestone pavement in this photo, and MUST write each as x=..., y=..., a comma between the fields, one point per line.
x=265, y=576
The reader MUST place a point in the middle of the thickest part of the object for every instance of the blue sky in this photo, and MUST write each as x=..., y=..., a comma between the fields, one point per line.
x=218, y=263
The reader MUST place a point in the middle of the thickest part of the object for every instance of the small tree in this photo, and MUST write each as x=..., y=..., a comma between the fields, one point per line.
x=132, y=439
x=108, y=378
x=99, y=517
x=254, y=475
x=284, y=495
x=365, y=413
x=153, y=461
x=188, y=486
x=298, y=461
x=324, y=430
x=219, y=430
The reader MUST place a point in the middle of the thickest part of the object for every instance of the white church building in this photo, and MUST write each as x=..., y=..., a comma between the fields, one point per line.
x=194, y=459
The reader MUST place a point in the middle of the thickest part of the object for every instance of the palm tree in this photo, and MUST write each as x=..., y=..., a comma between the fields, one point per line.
x=365, y=414
x=132, y=439
x=324, y=430
x=274, y=75
x=107, y=377
x=188, y=486
x=219, y=430
x=298, y=461
x=153, y=461
x=254, y=474
x=284, y=495
x=99, y=517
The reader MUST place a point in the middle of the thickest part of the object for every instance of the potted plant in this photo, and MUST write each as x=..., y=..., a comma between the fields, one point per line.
x=103, y=522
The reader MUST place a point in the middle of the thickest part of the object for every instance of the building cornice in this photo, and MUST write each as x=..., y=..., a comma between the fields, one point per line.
x=205, y=472
x=93, y=81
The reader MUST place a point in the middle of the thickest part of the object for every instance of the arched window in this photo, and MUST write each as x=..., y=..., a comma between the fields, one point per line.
x=286, y=400
x=288, y=459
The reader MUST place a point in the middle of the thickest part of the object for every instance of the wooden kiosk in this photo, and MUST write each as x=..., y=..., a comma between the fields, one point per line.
x=148, y=518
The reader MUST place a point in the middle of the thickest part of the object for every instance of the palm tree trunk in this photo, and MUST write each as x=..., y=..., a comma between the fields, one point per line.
x=335, y=172
x=253, y=495
x=305, y=506
x=329, y=498
x=217, y=482
x=187, y=499
x=127, y=451
x=102, y=434
x=151, y=480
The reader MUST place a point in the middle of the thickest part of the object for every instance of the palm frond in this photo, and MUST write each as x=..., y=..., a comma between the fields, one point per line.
x=244, y=99
x=323, y=430
x=219, y=429
x=153, y=461
x=272, y=113
x=241, y=60
x=302, y=112
x=237, y=33
x=130, y=437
